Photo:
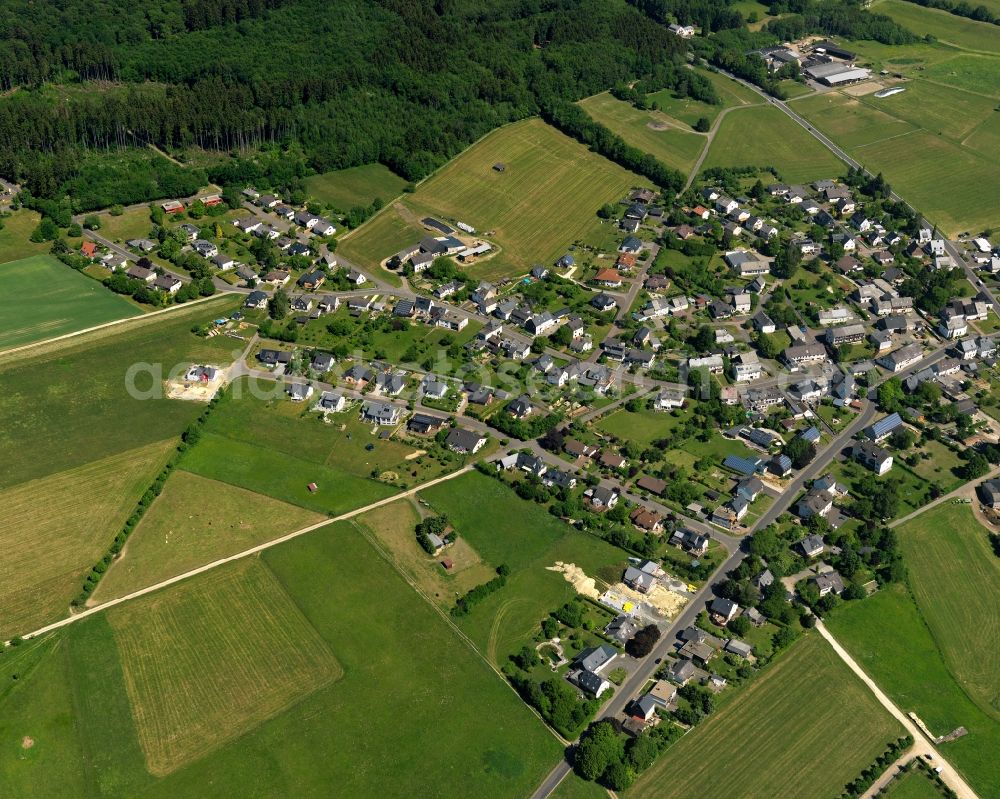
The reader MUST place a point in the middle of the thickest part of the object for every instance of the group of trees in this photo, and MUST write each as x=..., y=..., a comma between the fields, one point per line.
x=465, y=603
x=189, y=438
x=604, y=755
x=432, y=525
x=862, y=783
x=410, y=84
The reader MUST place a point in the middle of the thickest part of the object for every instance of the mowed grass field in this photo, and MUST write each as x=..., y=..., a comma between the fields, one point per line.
x=193, y=522
x=207, y=662
x=887, y=635
x=68, y=405
x=547, y=198
x=949, y=28
x=689, y=111
x=504, y=529
x=973, y=72
x=373, y=731
x=56, y=527
x=955, y=579
x=914, y=785
x=15, y=232
x=357, y=186
x=672, y=142
x=767, y=137
x=803, y=728
x=41, y=297
x=932, y=142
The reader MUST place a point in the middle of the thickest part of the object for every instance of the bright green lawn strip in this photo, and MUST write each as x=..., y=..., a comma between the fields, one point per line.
x=41, y=297
x=892, y=643
x=975, y=73
x=282, y=476
x=956, y=582
x=69, y=405
x=356, y=186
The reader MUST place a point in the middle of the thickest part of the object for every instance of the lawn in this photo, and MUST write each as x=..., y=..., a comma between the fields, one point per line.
x=985, y=139
x=914, y=784
x=673, y=143
x=133, y=223
x=955, y=579
x=15, y=232
x=546, y=198
x=892, y=642
x=504, y=529
x=949, y=28
x=68, y=405
x=56, y=527
x=357, y=186
x=766, y=137
x=574, y=787
x=195, y=521
x=642, y=427
x=277, y=474
x=41, y=297
x=784, y=737
x=213, y=659
x=938, y=468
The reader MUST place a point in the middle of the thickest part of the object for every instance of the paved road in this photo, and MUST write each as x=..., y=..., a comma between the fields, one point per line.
x=922, y=745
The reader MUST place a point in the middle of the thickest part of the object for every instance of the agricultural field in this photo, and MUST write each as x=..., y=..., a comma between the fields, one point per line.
x=41, y=297
x=213, y=659
x=804, y=742
x=15, y=231
x=689, y=110
x=892, y=642
x=851, y=122
x=133, y=223
x=953, y=576
x=948, y=28
x=37, y=724
x=674, y=144
x=391, y=529
x=546, y=198
x=766, y=137
x=974, y=73
x=504, y=529
x=248, y=643
x=196, y=521
x=56, y=527
x=282, y=476
x=357, y=186
x=985, y=139
x=87, y=413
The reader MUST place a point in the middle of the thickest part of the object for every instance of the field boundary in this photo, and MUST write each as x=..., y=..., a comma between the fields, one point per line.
x=117, y=322
x=72, y=619
x=388, y=558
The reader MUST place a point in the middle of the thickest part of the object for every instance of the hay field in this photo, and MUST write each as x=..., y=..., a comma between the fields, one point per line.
x=672, y=142
x=546, y=198
x=800, y=730
x=195, y=521
x=208, y=661
x=55, y=528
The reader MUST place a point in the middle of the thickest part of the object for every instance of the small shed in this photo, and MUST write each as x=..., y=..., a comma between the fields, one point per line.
x=499, y=166
x=313, y=488
x=447, y=564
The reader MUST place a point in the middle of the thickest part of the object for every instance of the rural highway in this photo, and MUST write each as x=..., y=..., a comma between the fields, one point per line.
x=950, y=248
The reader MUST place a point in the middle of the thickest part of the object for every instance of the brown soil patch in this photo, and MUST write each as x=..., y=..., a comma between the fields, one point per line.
x=658, y=126
x=576, y=577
